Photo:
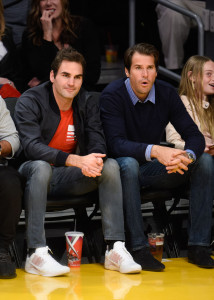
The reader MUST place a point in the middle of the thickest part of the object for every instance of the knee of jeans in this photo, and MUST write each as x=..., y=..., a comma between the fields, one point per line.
x=206, y=164
x=128, y=165
x=111, y=167
x=40, y=171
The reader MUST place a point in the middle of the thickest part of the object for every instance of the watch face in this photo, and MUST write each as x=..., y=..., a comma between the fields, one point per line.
x=191, y=156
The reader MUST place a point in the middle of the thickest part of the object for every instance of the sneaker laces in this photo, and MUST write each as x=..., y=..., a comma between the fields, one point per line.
x=48, y=250
x=43, y=251
x=124, y=254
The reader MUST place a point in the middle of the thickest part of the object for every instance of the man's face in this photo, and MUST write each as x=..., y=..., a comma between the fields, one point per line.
x=68, y=80
x=142, y=74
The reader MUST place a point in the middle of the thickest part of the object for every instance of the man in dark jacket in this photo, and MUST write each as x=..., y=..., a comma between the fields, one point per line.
x=135, y=111
x=56, y=120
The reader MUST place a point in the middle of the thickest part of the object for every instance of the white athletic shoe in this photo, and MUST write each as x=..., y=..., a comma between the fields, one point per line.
x=42, y=263
x=119, y=259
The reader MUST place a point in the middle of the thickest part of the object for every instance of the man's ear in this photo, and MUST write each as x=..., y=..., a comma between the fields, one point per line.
x=126, y=72
x=52, y=76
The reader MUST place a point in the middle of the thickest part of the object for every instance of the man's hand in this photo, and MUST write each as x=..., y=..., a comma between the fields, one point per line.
x=185, y=161
x=4, y=80
x=6, y=148
x=91, y=164
x=175, y=160
x=34, y=82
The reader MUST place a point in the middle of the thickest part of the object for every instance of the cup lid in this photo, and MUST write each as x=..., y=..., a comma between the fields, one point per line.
x=73, y=233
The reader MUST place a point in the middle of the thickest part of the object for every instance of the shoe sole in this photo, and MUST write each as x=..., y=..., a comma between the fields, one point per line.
x=200, y=266
x=153, y=270
x=34, y=271
x=8, y=276
x=113, y=268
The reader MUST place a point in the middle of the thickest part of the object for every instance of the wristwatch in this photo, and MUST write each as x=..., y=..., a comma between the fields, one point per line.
x=191, y=157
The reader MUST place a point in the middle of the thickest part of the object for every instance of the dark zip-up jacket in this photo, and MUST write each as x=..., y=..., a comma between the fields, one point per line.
x=37, y=117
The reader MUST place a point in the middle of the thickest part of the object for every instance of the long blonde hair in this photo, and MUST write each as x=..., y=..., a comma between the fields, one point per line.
x=2, y=22
x=195, y=93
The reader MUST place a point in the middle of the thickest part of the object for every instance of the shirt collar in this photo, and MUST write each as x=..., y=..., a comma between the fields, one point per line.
x=134, y=98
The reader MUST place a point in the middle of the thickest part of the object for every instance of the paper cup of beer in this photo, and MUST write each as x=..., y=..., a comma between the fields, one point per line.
x=74, y=240
x=156, y=241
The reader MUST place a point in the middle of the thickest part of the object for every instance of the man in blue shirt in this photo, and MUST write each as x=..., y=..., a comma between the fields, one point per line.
x=135, y=111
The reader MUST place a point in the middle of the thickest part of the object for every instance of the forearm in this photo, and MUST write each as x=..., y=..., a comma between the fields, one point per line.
x=175, y=160
x=165, y=155
x=91, y=165
x=74, y=160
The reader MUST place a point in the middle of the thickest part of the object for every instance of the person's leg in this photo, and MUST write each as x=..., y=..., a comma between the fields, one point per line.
x=134, y=177
x=173, y=30
x=38, y=174
x=130, y=171
x=11, y=192
x=70, y=181
x=39, y=261
x=111, y=205
x=200, y=214
x=111, y=201
x=200, y=177
x=11, y=202
x=201, y=201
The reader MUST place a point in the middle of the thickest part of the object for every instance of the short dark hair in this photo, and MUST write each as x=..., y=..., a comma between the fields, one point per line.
x=141, y=48
x=69, y=54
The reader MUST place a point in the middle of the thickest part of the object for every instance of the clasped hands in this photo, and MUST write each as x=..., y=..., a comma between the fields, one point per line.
x=91, y=165
x=175, y=160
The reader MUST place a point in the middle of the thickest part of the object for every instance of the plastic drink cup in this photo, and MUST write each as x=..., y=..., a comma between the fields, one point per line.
x=111, y=53
x=156, y=241
x=74, y=240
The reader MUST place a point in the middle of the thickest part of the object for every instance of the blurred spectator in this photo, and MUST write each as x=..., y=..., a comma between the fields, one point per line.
x=11, y=191
x=51, y=28
x=9, y=65
x=15, y=13
x=174, y=30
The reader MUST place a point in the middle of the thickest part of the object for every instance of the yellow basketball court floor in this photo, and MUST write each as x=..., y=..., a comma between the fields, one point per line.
x=179, y=281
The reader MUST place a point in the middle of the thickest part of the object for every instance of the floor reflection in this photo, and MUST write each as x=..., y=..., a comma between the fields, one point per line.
x=120, y=284
x=42, y=287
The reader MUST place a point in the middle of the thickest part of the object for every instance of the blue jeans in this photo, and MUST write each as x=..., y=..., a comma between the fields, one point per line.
x=43, y=180
x=153, y=174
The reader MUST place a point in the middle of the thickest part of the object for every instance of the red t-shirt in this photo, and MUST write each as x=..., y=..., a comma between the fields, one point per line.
x=64, y=138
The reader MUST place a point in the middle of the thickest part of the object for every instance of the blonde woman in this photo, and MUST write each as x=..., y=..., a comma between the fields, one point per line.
x=197, y=93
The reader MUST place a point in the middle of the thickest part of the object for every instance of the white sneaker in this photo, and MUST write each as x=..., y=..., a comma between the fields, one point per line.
x=42, y=263
x=119, y=259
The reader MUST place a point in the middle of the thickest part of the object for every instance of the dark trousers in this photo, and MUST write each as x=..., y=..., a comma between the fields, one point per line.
x=11, y=191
